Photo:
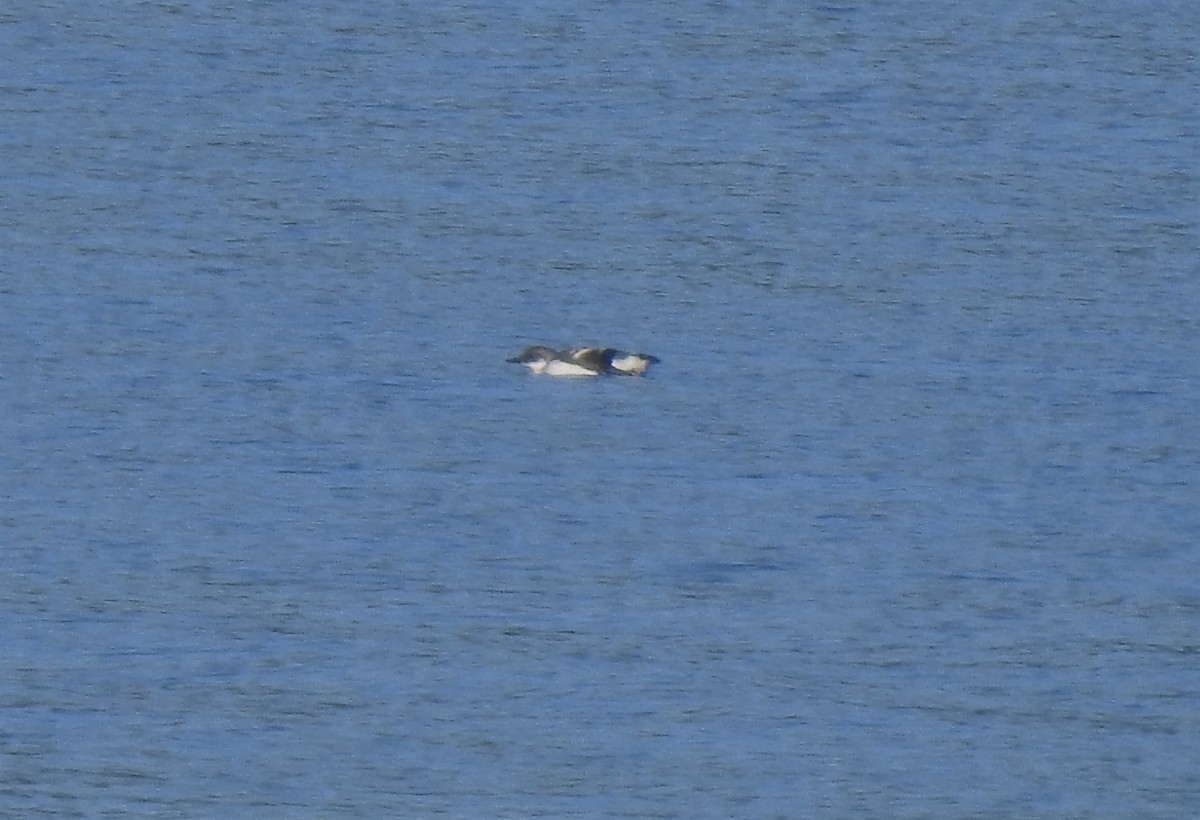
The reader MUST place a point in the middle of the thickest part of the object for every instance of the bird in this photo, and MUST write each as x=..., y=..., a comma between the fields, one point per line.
x=613, y=361
x=584, y=361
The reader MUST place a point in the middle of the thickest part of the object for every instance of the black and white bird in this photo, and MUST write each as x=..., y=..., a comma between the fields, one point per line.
x=584, y=361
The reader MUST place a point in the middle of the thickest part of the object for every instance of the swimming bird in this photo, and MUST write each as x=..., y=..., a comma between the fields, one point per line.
x=583, y=361
x=544, y=360
x=611, y=360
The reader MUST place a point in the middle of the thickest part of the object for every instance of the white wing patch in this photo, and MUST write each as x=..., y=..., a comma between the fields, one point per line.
x=629, y=363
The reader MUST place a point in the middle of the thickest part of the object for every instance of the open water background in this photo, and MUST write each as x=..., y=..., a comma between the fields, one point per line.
x=905, y=524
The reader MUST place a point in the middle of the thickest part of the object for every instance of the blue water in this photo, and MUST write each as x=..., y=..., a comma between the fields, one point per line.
x=904, y=524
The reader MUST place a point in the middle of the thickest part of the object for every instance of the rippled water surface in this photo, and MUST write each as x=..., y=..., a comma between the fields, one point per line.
x=904, y=524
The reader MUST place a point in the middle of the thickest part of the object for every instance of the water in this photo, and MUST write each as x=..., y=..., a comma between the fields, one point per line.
x=903, y=525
